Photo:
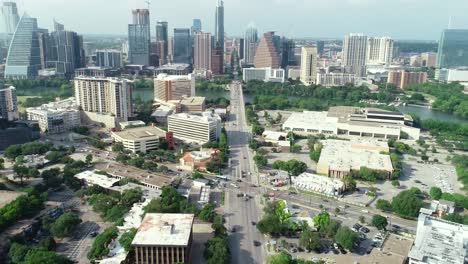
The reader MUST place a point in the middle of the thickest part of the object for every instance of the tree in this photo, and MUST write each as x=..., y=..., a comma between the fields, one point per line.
x=197, y=175
x=454, y=217
x=217, y=251
x=281, y=258
x=310, y=240
x=65, y=224
x=384, y=205
x=435, y=193
x=395, y=183
x=379, y=222
x=346, y=237
x=337, y=210
x=218, y=226
x=127, y=238
x=332, y=228
x=322, y=220
x=101, y=242
x=118, y=147
x=89, y=159
x=362, y=219
x=260, y=160
x=17, y=252
x=349, y=183
x=21, y=172
x=257, y=129
x=39, y=256
x=51, y=177
x=207, y=213
x=131, y=196
x=48, y=243
x=407, y=203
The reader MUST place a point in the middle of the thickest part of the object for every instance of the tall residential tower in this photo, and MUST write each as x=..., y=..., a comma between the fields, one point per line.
x=354, y=53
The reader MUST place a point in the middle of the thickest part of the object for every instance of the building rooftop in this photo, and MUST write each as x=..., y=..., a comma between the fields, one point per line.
x=342, y=155
x=164, y=230
x=205, y=117
x=140, y=133
x=93, y=178
x=311, y=120
x=196, y=100
x=174, y=66
x=67, y=105
x=121, y=171
x=167, y=77
x=439, y=241
x=134, y=123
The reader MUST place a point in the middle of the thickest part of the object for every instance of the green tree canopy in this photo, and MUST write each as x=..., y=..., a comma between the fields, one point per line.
x=407, y=203
x=379, y=222
x=346, y=237
x=65, y=224
x=322, y=220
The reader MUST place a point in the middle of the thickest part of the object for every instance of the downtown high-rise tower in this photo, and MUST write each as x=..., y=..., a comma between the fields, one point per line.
x=139, y=38
x=219, y=26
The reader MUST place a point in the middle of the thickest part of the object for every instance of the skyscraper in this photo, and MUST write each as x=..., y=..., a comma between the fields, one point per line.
x=139, y=37
x=308, y=65
x=10, y=17
x=24, y=61
x=65, y=51
x=379, y=50
x=287, y=52
x=250, y=44
x=453, y=48
x=182, y=46
x=162, y=35
x=8, y=103
x=354, y=53
x=202, y=51
x=266, y=54
x=196, y=25
x=109, y=58
x=219, y=25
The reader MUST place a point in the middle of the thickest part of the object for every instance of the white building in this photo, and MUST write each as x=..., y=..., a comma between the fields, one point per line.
x=139, y=139
x=173, y=87
x=195, y=128
x=379, y=50
x=339, y=158
x=318, y=184
x=452, y=75
x=354, y=53
x=104, y=96
x=308, y=65
x=335, y=79
x=263, y=74
x=56, y=117
x=352, y=121
x=439, y=241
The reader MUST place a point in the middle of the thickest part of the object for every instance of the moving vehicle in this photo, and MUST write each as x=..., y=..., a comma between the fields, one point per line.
x=257, y=243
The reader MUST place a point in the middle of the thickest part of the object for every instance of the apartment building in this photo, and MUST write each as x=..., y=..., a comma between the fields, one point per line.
x=173, y=87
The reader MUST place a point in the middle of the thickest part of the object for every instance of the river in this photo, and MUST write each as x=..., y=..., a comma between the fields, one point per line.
x=426, y=113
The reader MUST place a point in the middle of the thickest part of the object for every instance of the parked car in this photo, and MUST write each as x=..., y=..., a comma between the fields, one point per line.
x=364, y=229
x=356, y=227
x=257, y=243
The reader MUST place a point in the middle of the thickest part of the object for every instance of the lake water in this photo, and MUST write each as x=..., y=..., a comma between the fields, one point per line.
x=426, y=113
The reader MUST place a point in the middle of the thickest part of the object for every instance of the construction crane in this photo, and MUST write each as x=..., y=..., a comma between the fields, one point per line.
x=148, y=2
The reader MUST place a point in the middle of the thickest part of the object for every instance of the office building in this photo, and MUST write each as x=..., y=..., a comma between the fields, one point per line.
x=162, y=35
x=439, y=241
x=196, y=25
x=352, y=121
x=340, y=158
x=164, y=238
x=402, y=79
x=24, y=61
x=453, y=49
x=109, y=59
x=354, y=53
x=379, y=50
x=241, y=48
x=263, y=74
x=308, y=65
x=202, y=51
x=173, y=87
x=194, y=104
x=287, y=52
x=217, y=61
x=195, y=128
x=429, y=59
x=219, y=26
x=65, y=51
x=10, y=17
x=139, y=38
x=320, y=47
x=250, y=44
x=182, y=46
x=319, y=184
x=8, y=104
x=335, y=79
x=266, y=54
x=139, y=139
x=56, y=117
x=108, y=96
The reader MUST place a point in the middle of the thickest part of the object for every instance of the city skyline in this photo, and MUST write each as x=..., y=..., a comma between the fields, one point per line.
x=410, y=23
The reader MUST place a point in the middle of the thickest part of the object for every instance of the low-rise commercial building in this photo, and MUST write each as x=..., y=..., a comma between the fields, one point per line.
x=174, y=69
x=194, y=104
x=164, y=238
x=318, y=184
x=195, y=128
x=139, y=139
x=451, y=75
x=56, y=117
x=335, y=79
x=274, y=136
x=339, y=158
x=193, y=160
x=263, y=74
x=439, y=241
x=352, y=121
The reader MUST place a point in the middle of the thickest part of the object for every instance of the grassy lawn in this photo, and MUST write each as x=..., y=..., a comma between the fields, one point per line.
x=21, y=100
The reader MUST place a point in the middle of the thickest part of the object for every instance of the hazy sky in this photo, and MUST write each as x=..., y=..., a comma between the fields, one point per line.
x=400, y=19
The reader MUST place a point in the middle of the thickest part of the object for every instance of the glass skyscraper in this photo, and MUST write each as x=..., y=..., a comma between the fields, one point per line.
x=24, y=61
x=139, y=38
x=196, y=25
x=453, y=48
x=182, y=45
x=250, y=44
x=219, y=26
x=10, y=17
